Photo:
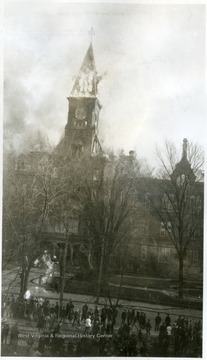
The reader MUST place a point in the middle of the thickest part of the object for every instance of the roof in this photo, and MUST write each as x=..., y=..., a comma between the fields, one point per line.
x=86, y=81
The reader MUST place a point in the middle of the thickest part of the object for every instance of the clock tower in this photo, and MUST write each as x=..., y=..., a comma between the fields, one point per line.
x=81, y=130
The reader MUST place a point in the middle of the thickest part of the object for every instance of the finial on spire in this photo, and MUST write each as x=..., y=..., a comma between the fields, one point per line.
x=185, y=145
x=91, y=33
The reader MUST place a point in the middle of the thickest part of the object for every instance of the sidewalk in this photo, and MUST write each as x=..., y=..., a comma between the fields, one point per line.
x=41, y=292
x=80, y=299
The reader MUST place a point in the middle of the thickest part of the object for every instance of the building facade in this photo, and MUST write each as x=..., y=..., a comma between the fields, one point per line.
x=152, y=248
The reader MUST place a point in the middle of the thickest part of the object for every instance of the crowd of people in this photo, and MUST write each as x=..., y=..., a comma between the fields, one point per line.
x=178, y=334
x=105, y=330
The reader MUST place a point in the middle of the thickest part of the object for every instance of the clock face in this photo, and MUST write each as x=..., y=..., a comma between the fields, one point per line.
x=80, y=113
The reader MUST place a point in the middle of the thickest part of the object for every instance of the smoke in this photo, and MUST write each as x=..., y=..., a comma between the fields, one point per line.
x=154, y=57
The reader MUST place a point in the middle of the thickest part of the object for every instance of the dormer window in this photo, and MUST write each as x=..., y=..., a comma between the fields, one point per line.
x=20, y=165
x=181, y=179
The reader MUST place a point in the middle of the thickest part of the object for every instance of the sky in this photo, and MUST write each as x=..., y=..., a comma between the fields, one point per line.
x=151, y=56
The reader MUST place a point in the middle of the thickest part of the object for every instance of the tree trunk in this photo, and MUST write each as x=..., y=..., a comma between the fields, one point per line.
x=120, y=286
x=180, y=292
x=71, y=254
x=100, y=271
x=24, y=277
x=89, y=258
x=62, y=283
x=9, y=286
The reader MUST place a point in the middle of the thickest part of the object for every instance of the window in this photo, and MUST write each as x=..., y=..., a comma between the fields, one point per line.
x=164, y=201
x=74, y=226
x=198, y=203
x=163, y=255
x=144, y=227
x=169, y=227
x=165, y=228
x=80, y=123
x=77, y=149
x=195, y=256
x=167, y=202
x=95, y=175
x=181, y=179
x=188, y=256
x=166, y=255
x=144, y=253
x=192, y=202
x=20, y=165
x=171, y=200
x=162, y=229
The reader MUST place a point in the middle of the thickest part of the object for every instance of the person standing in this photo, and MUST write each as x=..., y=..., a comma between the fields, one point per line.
x=70, y=310
x=96, y=311
x=96, y=326
x=77, y=317
x=144, y=350
x=169, y=334
x=157, y=322
x=129, y=317
x=30, y=343
x=123, y=316
x=162, y=332
x=88, y=324
x=4, y=332
x=103, y=315
x=56, y=309
x=167, y=320
x=14, y=336
x=84, y=312
x=148, y=328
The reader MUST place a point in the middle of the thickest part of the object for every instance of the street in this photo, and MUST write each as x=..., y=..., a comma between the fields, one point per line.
x=27, y=325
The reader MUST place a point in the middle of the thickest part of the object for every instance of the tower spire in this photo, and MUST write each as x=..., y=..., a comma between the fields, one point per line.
x=91, y=33
x=86, y=81
x=185, y=145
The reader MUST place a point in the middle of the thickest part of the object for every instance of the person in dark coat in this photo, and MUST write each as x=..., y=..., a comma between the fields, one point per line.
x=167, y=320
x=157, y=322
x=84, y=312
x=30, y=343
x=4, y=332
x=123, y=316
x=14, y=336
x=41, y=321
x=143, y=350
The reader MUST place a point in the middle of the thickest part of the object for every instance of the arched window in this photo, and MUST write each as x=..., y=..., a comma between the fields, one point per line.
x=77, y=148
x=192, y=202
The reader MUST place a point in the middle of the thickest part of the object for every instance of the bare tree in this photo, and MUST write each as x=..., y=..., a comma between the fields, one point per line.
x=109, y=190
x=25, y=210
x=176, y=197
x=65, y=210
